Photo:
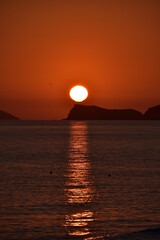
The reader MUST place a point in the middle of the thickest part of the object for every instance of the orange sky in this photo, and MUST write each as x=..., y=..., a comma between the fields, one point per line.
x=109, y=46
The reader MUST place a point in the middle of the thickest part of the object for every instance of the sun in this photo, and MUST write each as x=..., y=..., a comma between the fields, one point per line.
x=78, y=93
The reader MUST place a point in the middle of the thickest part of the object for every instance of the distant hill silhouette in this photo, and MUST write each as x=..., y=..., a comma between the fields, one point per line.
x=7, y=116
x=82, y=112
x=153, y=113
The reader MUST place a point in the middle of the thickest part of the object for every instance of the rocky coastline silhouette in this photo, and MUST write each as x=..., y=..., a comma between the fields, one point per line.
x=83, y=112
x=7, y=116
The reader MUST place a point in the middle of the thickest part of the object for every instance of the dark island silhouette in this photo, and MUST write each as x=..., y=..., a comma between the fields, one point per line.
x=153, y=113
x=7, y=116
x=83, y=112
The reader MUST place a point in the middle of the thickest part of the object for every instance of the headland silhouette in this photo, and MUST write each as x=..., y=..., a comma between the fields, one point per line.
x=7, y=116
x=83, y=112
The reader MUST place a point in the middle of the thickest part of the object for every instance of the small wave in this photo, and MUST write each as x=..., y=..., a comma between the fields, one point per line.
x=148, y=234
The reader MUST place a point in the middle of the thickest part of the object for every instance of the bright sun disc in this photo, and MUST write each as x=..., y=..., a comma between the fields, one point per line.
x=78, y=93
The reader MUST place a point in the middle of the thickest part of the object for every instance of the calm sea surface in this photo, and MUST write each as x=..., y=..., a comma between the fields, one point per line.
x=78, y=180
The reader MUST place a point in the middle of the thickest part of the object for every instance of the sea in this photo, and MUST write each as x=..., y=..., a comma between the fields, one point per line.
x=79, y=180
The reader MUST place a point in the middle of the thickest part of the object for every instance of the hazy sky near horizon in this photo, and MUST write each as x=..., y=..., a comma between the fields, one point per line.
x=110, y=46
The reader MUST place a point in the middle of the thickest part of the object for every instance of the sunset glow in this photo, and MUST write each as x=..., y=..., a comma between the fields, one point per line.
x=112, y=47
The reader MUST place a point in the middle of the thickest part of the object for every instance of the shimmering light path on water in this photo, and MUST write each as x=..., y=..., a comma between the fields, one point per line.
x=79, y=185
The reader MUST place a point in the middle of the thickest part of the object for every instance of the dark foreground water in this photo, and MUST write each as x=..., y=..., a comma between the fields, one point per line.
x=79, y=180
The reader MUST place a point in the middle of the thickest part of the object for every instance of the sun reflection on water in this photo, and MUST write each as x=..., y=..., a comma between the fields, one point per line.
x=78, y=223
x=79, y=186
